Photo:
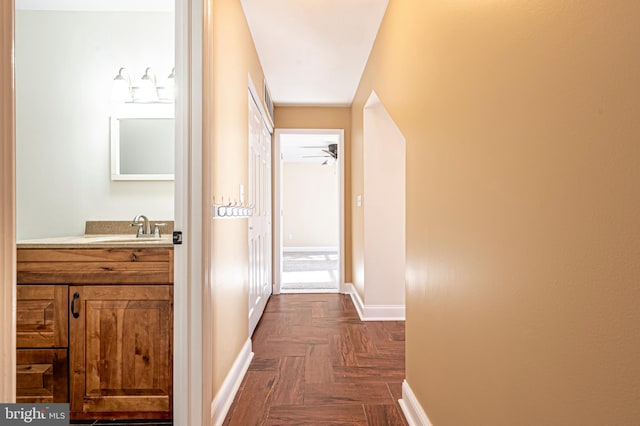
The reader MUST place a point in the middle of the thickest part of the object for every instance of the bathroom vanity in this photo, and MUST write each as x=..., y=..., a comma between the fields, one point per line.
x=95, y=326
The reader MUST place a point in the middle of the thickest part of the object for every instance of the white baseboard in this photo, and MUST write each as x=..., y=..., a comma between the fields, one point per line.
x=224, y=398
x=413, y=411
x=308, y=290
x=351, y=290
x=305, y=249
x=374, y=312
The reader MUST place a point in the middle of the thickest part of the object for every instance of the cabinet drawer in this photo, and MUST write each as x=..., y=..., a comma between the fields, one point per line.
x=41, y=316
x=95, y=266
x=41, y=376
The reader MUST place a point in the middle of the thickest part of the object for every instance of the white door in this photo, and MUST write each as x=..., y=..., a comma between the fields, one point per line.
x=260, y=222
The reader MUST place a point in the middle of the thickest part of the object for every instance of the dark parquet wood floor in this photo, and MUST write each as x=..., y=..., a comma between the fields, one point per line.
x=316, y=363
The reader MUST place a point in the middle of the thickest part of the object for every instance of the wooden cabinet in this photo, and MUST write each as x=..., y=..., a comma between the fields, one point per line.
x=41, y=326
x=41, y=375
x=95, y=266
x=121, y=351
x=41, y=317
x=95, y=328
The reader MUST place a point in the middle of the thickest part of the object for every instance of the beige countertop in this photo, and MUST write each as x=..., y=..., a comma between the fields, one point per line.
x=97, y=241
x=111, y=234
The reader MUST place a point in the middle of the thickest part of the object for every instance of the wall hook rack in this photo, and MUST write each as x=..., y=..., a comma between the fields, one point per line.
x=231, y=210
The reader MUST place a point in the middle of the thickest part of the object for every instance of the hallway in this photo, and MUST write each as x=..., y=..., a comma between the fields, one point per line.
x=316, y=363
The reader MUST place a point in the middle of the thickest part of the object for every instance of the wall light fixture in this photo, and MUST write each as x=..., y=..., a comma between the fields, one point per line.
x=146, y=91
x=121, y=89
x=170, y=88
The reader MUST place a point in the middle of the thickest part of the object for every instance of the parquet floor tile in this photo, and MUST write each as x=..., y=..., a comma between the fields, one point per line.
x=343, y=415
x=315, y=363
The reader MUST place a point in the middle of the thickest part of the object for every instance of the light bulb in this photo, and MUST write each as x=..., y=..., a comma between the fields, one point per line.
x=121, y=87
x=147, y=92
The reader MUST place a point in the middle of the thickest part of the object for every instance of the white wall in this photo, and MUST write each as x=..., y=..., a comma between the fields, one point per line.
x=384, y=207
x=65, y=63
x=310, y=200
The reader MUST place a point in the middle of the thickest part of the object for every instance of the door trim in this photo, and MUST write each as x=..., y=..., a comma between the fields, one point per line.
x=8, y=203
x=189, y=380
x=266, y=118
x=191, y=364
x=277, y=202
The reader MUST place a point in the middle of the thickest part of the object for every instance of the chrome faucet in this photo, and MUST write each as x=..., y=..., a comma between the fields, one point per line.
x=144, y=224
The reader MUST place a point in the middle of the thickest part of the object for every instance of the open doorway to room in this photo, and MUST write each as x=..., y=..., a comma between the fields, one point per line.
x=308, y=241
x=93, y=157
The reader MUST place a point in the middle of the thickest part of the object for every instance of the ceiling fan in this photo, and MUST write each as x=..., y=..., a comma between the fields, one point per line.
x=331, y=152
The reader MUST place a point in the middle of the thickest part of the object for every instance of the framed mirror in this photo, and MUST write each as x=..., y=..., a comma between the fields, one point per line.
x=143, y=142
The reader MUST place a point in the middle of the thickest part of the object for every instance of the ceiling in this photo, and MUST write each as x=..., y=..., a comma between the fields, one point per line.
x=306, y=147
x=313, y=52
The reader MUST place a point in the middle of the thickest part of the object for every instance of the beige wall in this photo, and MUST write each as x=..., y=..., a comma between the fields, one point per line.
x=326, y=118
x=234, y=56
x=7, y=207
x=523, y=244
x=310, y=200
x=383, y=203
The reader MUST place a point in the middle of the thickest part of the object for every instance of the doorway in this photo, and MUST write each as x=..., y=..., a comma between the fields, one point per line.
x=309, y=228
x=189, y=359
x=89, y=91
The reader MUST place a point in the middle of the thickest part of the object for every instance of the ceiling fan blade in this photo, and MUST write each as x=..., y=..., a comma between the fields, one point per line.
x=331, y=153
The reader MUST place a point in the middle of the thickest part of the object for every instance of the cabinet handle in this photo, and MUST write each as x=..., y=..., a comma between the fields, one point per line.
x=76, y=296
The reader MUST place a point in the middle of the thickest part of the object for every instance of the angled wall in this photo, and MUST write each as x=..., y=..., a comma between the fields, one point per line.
x=380, y=277
x=523, y=244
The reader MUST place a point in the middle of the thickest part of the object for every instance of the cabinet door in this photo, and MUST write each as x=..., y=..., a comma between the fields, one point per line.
x=121, y=351
x=41, y=317
x=41, y=376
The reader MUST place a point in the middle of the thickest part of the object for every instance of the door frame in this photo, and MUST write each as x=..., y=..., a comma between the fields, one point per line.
x=278, y=208
x=192, y=376
x=7, y=206
x=190, y=214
